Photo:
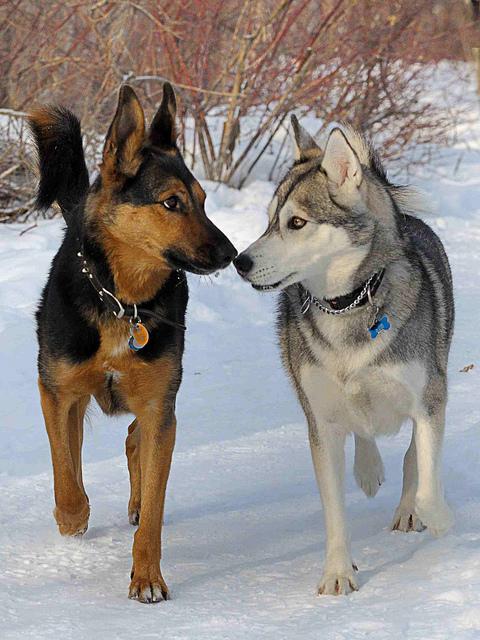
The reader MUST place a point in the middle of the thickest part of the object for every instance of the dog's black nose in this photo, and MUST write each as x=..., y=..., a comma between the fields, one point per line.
x=243, y=264
x=224, y=254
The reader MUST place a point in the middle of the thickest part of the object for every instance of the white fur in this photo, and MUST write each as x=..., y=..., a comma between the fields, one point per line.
x=340, y=161
x=321, y=255
x=370, y=401
x=346, y=390
x=272, y=207
x=368, y=466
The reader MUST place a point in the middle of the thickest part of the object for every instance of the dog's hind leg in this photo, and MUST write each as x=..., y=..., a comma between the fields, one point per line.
x=63, y=417
x=405, y=518
x=132, y=449
x=75, y=433
x=430, y=504
x=368, y=466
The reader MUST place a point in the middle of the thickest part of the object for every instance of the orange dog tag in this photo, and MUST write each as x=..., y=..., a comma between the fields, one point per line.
x=138, y=337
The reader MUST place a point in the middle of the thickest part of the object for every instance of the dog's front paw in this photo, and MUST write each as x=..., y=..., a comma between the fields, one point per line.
x=406, y=519
x=72, y=524
x=134, y=516
x=368, y=467
x=435, y=515
x=337, y=583
x=148, y=590
x=370, y=477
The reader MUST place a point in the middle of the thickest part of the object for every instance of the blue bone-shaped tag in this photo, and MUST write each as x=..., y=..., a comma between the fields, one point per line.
x=381, y=325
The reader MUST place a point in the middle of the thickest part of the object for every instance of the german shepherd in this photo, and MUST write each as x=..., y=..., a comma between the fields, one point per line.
x=110, y=323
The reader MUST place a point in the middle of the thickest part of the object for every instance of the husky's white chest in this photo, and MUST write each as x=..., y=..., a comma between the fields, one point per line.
x=370, y=400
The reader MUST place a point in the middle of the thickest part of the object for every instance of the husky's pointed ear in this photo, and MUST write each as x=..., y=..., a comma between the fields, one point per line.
x=304, y=146
x=163, y=131
x=125, y=137
x=340, y=162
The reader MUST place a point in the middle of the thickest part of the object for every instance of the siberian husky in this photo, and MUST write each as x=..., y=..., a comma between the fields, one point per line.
x=365, y=323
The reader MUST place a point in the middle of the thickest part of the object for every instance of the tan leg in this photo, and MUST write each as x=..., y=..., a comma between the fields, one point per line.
x=157, y=443
x=75, y=431
x=132, y=449
x=64, y=422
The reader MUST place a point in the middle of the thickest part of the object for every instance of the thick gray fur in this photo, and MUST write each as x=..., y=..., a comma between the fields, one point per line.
x=345, y=381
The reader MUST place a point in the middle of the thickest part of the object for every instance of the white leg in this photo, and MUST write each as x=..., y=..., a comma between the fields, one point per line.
x=368, y=466
x=430, y=504
x=405, y=518
x=328, y=452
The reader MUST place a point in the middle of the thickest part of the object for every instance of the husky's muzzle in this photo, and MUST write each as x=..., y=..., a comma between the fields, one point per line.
x=244, y=265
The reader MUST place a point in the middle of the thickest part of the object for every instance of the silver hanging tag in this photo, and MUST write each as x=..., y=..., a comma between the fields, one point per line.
x=378, y=324
x=374, y=315
x=306, y=304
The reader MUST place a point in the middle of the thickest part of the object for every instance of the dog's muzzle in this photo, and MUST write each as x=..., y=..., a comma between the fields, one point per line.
x=243, y=264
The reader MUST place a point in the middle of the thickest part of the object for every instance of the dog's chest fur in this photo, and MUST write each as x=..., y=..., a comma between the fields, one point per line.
x=115, y=375
x=345, y=386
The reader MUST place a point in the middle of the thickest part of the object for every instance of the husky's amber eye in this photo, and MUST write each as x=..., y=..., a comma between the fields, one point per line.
x=171, y=202
x=296, y=223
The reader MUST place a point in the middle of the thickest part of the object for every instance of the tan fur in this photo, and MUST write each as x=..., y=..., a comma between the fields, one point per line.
x=148, y=391
x=119, y=162
x=199, y=193
x=132, y=449
x=63, y=415
x=135, y=238
x=43, y=117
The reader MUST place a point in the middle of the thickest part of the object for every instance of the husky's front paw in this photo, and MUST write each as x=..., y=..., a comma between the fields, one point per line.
x=370, y=476
x=435, y=515
x=337, y=583
x=406, y=519
x=368, y=467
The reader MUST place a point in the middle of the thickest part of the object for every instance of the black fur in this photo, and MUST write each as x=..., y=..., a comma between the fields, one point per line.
x=61, y=162
x=65, y=328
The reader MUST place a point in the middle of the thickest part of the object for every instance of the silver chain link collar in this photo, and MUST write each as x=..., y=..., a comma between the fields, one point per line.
x=309, y=300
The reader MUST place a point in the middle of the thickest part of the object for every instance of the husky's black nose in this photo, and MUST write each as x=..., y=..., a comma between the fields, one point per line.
x=243, y=264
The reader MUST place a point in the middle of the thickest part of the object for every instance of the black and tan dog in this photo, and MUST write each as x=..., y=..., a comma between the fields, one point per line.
x=110, y=321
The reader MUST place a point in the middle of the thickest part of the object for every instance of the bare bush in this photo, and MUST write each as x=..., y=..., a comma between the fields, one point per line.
x=15, y=176
x=239, y=68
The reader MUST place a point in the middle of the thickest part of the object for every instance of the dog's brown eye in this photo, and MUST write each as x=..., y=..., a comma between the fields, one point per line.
x=296, y=223
x=171, y=202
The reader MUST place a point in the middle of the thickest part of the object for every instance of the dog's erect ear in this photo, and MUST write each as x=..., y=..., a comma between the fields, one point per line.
x=125, y=137
x=340, y=162
x=304, y=146
x=163, y=132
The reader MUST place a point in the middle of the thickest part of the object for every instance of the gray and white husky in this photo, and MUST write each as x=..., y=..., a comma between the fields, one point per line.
x=365, y=324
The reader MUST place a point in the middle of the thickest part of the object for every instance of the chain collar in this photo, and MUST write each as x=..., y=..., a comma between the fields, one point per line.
x=366, y=293
x=113, y=304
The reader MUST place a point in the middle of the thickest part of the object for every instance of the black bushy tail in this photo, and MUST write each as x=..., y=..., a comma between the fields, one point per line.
x=61, y=161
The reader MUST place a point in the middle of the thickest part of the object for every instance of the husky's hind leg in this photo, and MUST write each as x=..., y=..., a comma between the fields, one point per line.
x=430, y=504
x=405, y=518
x=368, y=466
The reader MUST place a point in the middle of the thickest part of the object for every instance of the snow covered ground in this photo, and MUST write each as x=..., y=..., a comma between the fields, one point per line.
x=244, y=535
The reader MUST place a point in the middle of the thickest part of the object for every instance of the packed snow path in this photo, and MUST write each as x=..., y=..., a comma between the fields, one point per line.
x=244, y=535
